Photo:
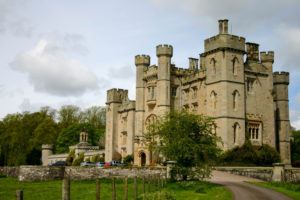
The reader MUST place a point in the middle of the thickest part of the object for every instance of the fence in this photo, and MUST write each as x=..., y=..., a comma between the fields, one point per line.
x=149, y=183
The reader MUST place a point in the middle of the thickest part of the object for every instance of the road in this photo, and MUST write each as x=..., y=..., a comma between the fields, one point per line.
x=245, y=191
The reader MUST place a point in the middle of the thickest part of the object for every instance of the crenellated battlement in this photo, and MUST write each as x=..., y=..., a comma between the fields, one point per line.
x=267, y=56
x=281, y=77
x=224, y=41
x=164, y=50
x=116, y=95
x=142, y=60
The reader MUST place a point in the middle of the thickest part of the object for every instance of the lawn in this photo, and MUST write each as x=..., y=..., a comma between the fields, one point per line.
x=85, y=190
x=290, y=189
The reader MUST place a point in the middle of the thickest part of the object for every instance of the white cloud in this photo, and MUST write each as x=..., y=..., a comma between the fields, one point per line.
x=125, y=72
x=51, y=70
x=295, y=119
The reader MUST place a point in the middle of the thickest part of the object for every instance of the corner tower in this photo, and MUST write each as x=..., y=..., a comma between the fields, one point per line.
x=225, y=98
x=281, y=82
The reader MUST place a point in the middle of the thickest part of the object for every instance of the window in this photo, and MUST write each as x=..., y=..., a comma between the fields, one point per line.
x=250, y=82
x=151, y=93
x=254, y=130
x=234, y=65
x=194, y=92
x=213, y=97
x=174, y=91
x=235, y=99
x=213, y=63
x=236, y=127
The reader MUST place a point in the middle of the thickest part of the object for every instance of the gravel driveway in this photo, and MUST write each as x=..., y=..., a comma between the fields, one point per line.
x=245, y=191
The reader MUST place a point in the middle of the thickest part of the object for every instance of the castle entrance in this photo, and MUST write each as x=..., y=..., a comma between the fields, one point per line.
x=143, y=158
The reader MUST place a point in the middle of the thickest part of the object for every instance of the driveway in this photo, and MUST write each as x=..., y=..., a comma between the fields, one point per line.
x=245, y=191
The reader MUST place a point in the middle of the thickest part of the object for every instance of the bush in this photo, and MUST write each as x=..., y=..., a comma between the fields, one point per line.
x=128, y=159
x=250, y=155
x=78, y=160
x=70, y=158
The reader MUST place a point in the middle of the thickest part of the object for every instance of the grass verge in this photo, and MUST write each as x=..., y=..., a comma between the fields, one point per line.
x=290, y=189
x=86, y=190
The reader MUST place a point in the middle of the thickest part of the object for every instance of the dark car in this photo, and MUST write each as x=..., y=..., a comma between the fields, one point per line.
x=58, y=163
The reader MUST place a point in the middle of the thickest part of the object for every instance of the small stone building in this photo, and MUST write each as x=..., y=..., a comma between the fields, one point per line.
x=231, y=81
x=82, y=147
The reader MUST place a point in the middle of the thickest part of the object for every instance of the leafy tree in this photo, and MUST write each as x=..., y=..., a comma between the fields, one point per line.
x=70, y=136
x=68, y=115
x=70, y=158
x=79, y=159
x=187, y=139
x=128, y=159
x=295, y=149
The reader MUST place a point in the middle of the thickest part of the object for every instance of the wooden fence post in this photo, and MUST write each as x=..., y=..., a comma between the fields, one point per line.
x=135, y=188
x=66, y=188
x=126, y=188
x=19, y=194
x=144, y=187
x=114, y=189
x=98, y=189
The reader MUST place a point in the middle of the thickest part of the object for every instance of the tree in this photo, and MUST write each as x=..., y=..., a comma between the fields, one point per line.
x=295, y=149
x=187, y=139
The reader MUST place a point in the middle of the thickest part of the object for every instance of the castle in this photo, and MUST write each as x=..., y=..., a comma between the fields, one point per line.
x=232, y=82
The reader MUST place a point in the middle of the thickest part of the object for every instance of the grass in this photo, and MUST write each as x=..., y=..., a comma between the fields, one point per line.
x=290, y=189
x=85, y=190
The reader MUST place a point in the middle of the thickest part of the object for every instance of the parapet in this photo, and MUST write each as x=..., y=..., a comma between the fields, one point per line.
x=252, y=50
x=281, y=78
x=225, y=41
x=164, y=50
x=267, y=56
x=142, y=60
x=116, y=95
x=47, y=147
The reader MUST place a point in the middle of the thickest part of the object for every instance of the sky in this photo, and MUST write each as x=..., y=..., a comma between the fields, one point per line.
x=63, y=52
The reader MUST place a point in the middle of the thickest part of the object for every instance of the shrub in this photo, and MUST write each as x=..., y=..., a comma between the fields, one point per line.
x=128, y=159
x=78, y=160
x=70, y=158
x=250, y=155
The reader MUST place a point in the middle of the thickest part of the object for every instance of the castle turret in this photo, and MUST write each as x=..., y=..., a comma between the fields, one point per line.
x=141, y=62
x=115, y=97
x=193, y=63
x=223, y=26
x=47, y=150
x=267, y=59
x=164, y=54
x=281, y=82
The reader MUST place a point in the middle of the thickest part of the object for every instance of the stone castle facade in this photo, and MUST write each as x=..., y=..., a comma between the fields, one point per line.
x=232, y=81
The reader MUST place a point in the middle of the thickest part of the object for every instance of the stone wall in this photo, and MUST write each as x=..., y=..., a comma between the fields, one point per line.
x=40, y=173
x=292, y=175
x=263, y=173
x=43, y=173
x=9, y=171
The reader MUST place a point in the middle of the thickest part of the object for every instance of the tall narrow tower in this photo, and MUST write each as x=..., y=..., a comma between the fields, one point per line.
x=141, y=62
x=281, y=82
x=164, y=54
x=224, y=64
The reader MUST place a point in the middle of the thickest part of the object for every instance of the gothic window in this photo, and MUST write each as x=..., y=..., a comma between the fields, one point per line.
x=236, y=127
x=194, y=92
x=250, y=82
x=254, y=130
x=235, y=99
x=151, y=119
x=213, y=96
x=174, y=91
x=213, y=64
x=234, y=65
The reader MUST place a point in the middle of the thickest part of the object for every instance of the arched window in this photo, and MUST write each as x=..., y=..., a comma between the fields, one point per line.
x=150, y=120
x=213, y=64
x=236, y=127
x=213, y=96
x=235, y=95
x=235, y=61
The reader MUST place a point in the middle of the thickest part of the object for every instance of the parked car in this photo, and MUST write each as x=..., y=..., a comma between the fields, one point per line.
x=107, y=164
x=58, y=163
x=100, y=164
x=87, y=164
x=117, y=163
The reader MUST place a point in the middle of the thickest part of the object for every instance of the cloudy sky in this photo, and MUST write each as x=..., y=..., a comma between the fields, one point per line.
x=61, y=52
